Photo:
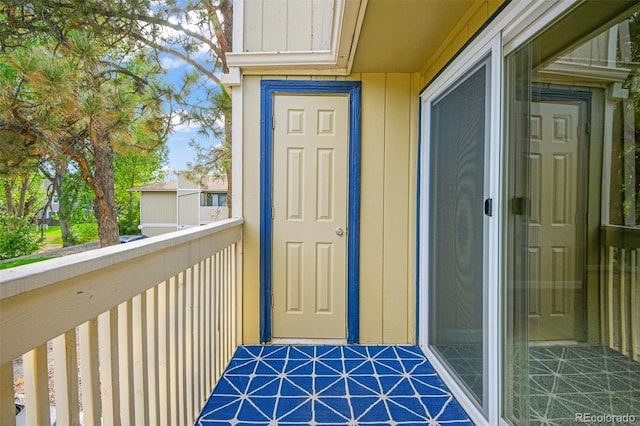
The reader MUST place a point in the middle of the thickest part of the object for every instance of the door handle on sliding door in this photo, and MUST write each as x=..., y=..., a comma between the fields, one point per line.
x=488, y=207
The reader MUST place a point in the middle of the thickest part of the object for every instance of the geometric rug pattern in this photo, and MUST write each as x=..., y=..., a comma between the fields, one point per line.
x=565, y=380
x=327, y=385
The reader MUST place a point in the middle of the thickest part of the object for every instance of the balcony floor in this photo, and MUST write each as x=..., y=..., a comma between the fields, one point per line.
x=331, y=385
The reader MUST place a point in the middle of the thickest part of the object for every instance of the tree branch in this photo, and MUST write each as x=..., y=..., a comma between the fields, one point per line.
x=140, y=82
x=211, y=76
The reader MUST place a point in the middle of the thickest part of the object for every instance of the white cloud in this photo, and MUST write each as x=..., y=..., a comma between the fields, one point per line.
x=180, y=125
x=169, y=62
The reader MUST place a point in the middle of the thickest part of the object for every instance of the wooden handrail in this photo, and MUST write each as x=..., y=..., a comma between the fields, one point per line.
x=67, y=291
x=620, y=289
x=152, y=321
x=620, y=236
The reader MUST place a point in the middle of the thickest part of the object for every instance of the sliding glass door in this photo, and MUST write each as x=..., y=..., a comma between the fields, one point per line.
x=572, y=337
x=457, y=212
x=460, y=215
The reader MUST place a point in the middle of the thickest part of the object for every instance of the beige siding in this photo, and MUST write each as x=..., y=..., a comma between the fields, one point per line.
x=251, y=211
x=388, y=206
x=212, y=214
x=466, y=28
x=158, y=207
x=287, y=25
x=188, y=208
x=152, y=231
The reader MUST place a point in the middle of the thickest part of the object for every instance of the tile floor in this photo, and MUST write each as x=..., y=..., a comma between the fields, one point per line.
x=331, y=385
x=565, y=380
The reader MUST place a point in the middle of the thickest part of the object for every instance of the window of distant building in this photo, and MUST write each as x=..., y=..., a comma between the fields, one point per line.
x=213, y=199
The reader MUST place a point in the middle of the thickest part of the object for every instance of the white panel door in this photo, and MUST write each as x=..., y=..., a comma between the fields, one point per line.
x=554, y=221
x=310, y=165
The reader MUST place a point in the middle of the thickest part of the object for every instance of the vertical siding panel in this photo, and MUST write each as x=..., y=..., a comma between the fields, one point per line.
x=478, y=18
x=321, y=24
x=299, y=25
x=474, y=18
x=251, y=203
x=413, y=207
x=154, y=207
x=493, y=5
x=447, y=54
x=460, y=39
x=252, y=37
x=396, y=201
x=372, y=216
x=274, y=33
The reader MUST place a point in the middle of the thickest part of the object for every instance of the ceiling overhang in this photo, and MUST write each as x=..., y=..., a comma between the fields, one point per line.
x=347, y=20
x=373, y=36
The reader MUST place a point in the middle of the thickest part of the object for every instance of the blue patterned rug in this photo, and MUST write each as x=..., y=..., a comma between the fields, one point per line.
x=331, y=385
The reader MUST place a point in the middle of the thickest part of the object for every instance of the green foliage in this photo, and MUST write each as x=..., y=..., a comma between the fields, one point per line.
x=128, y=227
x=78, y=197
x=17, y=237
x=22, y=193
x=85, y=233
x=87, y=94
x=81, y=79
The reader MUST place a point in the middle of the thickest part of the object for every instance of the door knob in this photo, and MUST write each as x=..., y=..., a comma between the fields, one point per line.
x=339, y=231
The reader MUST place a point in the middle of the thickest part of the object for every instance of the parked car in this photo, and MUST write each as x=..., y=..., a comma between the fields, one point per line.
x=129, y=238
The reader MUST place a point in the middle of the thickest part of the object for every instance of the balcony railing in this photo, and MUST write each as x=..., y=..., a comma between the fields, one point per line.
x=620, y=308
x=135, y=334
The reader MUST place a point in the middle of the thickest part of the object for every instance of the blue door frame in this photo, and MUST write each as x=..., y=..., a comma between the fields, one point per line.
x=270, y=88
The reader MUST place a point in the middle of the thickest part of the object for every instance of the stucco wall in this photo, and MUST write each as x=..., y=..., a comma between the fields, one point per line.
x=388, y=205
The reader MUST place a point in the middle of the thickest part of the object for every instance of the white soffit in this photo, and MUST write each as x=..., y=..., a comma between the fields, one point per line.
x=347, y=21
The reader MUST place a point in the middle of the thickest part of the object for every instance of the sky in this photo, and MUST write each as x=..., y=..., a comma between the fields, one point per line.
x=180, y=153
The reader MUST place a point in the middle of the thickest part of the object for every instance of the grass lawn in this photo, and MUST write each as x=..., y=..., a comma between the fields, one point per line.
x=53, y=236
x=22, y=262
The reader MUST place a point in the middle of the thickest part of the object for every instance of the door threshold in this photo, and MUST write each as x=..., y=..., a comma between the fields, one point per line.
x=282, y=341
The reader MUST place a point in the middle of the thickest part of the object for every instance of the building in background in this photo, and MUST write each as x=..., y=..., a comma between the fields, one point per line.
x=48, y=214
x=181, y=204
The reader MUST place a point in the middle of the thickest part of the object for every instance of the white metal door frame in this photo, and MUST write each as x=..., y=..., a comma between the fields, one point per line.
x=492, y=227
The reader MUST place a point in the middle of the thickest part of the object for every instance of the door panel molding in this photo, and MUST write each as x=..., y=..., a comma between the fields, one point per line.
x=270, y=88
x=582, y=98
